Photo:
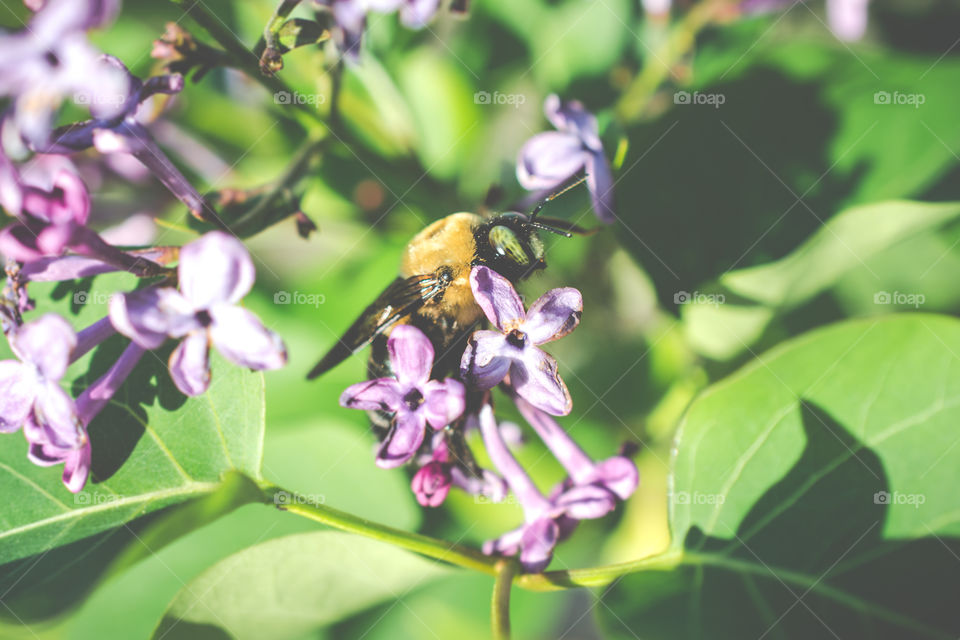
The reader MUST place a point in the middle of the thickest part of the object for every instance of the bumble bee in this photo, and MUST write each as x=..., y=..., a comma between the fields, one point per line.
x=433, y=291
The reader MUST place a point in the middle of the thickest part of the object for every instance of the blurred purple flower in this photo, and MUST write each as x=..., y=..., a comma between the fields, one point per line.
x=51, y=59
x=351, y=18
x=491, y=355
x=846, y=18
x=549, y=159
x=215, y=272
x=546, y=520
x=52, y=205
x=119, y=126
x=441, y=471
x=30, y=386
x=618, y=474
x=413, y=398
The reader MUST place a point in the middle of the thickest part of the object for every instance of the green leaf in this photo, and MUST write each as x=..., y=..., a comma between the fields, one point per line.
x=152, y=448
x=289, y=586
x=845, y=242
x=814, y=491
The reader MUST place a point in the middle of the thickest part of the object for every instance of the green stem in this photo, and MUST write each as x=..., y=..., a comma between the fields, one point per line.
x=243, y=58
x=430, y=547
x=660, y=65
x=598, y=576
x=506, y=569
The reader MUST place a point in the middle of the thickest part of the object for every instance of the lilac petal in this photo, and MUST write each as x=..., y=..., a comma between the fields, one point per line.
x=482, y=363
x=17, y=392
x=148, y=316
x=18, y=241
x=537, y=381
x=847, y=18
x=443, y=402
x=508, y=544
x=539, y=539
x=56, y=411
x=53, y=239
x=411, y=354
x=554, y=314
x=547, y=159
x=137, y=141
x=57, y=269
x=431, y=484
x=586, y=503
x=403, y=440
x=243, y=340
x=382, y=394
x=215, y=268
x=46, y=343
x=76, y=469
x=490, y=485
x=190, y=364
x=619, y=475
x=571, y=117
x=415, y=14
x=67, y=200
x=497, y=297
x=44, y=454
x=600, y=185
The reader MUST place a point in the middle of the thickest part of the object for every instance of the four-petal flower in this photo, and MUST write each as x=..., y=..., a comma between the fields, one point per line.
x=413, y=398
x=512, y=349
x=215, y=273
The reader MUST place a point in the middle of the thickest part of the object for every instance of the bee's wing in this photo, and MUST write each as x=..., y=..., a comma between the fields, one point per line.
x=400, y=299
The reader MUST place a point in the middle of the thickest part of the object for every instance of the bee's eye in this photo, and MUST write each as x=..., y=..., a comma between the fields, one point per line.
x=505, y=242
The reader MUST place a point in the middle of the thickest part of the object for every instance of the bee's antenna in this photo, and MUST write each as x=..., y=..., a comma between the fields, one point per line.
x=540, y=225
x=540, y=205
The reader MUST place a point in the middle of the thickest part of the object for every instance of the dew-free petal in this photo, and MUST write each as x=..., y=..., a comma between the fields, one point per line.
x=18, y=388
x=381, y=394
x=549, y=158
x=536, y=379
x=402, y=442
x=443, y=402
x=411, y=354
x=148, y=316
x=482, y=363
x=46, y=343
x=243, y=340
x=554, y=314
x=190, y=364
x=215, y=268
x=497, y=297
x=600, y=185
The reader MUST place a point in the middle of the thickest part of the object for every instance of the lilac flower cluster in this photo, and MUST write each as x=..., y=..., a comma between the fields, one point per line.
x=511, y=358
x=51, y=61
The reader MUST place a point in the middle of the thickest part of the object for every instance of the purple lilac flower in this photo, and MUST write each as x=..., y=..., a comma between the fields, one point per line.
x=617, y=474
x=512, y=349
x=30, y=386
x=440, y=472
x=549, y=159
x=51, y=59
x=351, y=18
x=547, y=520
x=119, y=125
x=76, y=461
x=413, y=398
x=31, y=397
x=215, y=272
x=846, y=18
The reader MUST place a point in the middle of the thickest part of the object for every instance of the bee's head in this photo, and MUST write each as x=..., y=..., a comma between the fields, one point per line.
x=510, y=244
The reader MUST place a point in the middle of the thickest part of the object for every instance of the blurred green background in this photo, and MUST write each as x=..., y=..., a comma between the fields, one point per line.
x=702, y=192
